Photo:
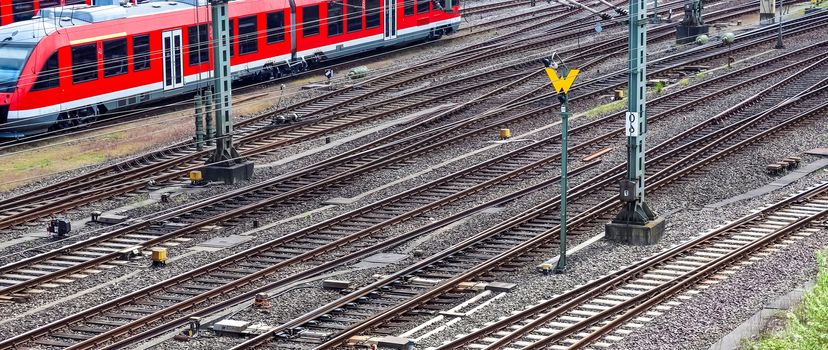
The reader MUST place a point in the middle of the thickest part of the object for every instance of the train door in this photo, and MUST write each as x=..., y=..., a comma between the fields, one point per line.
x=173, y=63
x=390, y=19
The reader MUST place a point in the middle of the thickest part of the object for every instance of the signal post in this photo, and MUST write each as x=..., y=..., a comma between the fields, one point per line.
x=636, y=224
x=562, y=86
x=225, y=164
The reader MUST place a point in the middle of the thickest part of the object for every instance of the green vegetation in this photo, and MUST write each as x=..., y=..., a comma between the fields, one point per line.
x=607, y=108
x=659, y=86
x=701, y=75
x=807, y=325
x=684, y=82
x=115, y=136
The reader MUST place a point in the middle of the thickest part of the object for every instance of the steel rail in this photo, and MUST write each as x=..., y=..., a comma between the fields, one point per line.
x=664, y=179
x=647, y=299
x=602, y=208
x=81, y=267
x=72, y=201
x=580, y=294
x=332, y=245
x=54, y=190
x=376, y=163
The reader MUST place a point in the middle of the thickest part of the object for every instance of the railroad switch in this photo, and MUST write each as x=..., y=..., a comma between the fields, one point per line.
x=159, y=257
x=59, y=228
x=95, y=215
x=262, y=301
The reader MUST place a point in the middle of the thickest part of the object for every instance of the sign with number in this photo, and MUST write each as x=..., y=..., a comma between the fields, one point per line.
x=631, y=124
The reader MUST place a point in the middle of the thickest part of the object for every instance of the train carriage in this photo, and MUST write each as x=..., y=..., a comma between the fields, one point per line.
x=69, y=65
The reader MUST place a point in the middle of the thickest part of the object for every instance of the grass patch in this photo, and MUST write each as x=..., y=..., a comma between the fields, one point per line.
x=115, y=136
x=807, y=325
x=607, y=108
x=30, y=165
x=701, y=75
x=684, y=82
x=659, y=86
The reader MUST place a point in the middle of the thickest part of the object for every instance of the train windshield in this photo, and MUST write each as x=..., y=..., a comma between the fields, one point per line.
x=12, y=58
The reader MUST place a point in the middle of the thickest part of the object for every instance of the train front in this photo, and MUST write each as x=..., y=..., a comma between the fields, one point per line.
x=18, y=45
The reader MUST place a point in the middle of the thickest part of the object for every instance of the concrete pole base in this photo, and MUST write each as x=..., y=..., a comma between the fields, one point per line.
x=687, y=34
x=647, y=234
x=228, y=174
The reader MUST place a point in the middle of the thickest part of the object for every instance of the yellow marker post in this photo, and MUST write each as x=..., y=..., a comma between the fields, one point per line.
x=562, y=86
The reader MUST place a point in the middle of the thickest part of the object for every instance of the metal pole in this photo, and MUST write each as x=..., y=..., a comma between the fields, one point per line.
x=199, y=123
x=561, y=267
x=636, y=223
x=656, y=20
x=779, y=44
x=208, y=116
x=225, y=153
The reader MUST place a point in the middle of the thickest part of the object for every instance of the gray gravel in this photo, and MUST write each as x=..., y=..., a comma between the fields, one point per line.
x=545, y=285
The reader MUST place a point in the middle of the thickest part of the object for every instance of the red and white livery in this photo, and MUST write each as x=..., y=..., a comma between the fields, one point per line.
x=71, y=64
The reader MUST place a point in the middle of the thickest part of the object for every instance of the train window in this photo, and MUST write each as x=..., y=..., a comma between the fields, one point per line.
x=84, y=63
x=22, y=9
x=408, y=7
x=335, y=25
x=422, y=6
x=140, y=52
x=198, y=48
x=12, y=58
x=275, y=27
x=310, y=20
x=74, y=2
x=49, y=3
x=372, y=13
x=354, y=15
x=249, y=35
x=49, y=76
x=442, y=3
x=115, y=57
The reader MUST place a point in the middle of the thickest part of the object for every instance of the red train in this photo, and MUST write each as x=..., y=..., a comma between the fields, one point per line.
x=72, y=63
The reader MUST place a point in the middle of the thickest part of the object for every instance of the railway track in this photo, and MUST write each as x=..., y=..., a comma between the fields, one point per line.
x=133, y=236
x=173, y=163
x=20, y=275
x=594, y=201
x=495, y=6
x=176, y=161
x=124, y=325
x=125, y=118
x=325, y=244
x=603, y=311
